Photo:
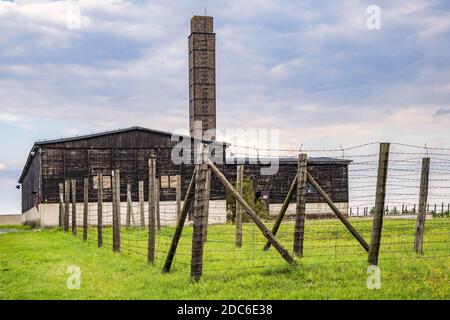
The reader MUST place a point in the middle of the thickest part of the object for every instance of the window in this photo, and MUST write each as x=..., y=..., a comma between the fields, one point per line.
x=164, y=182
x=168, y=182
x=106, y=182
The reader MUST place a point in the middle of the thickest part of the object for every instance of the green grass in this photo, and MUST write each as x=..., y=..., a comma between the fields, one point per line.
x=14, y=227
x=33, y=265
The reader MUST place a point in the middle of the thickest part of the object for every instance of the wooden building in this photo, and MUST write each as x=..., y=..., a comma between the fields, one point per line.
x=52, y=162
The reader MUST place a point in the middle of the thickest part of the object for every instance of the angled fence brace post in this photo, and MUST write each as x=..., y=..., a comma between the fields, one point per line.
x=151, y=210
x=200, y=198
x=85, y=207
x=375, y=237
x=266, y=232
x=61, y=206
x=74, y=206
x=180, y=224
x=67, y=204
x=283, y=209
x=100, y=210
x=423, y=198
x=299, y=230
x=239, y=188
x=337, y=212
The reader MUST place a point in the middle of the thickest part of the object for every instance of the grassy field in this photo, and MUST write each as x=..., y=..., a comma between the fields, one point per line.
x=33, y=265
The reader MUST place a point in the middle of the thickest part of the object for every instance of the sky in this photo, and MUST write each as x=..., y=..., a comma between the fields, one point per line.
x=311, y=69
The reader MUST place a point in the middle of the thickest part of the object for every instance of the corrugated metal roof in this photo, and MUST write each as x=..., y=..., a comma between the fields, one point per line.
x=287, y=160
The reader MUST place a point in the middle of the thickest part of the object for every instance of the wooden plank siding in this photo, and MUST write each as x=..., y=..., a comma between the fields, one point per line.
x=129, y=151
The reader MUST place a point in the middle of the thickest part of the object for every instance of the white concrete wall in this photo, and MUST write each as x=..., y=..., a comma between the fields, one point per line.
x=32, y=217
x=10, y=219
x=312, y=209
x=48, y=214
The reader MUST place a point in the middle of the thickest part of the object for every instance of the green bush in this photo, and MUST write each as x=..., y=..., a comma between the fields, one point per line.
x=248, y=193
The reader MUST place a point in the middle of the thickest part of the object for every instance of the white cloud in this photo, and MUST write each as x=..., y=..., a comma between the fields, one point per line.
x=2, y=166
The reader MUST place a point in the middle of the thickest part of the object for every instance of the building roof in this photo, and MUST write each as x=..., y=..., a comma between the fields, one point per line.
x=282, y=160
x=289, y=160
x=41, y=143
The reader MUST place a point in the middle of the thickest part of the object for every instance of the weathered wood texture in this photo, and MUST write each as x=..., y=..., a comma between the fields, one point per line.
x=85, y=208
x=151, y=211
x=116, y=210
x=100, y=212
x=73, y=184
x=178, y=194
x=299, y=229
x=238, y=222
x=198, y=233
x=66, y=204
x=375, y=236
x=129, y=152
x=157, y=205
x=129, y=207
x=141, y=204
x=423, y=198
x=61, y=205
x=331, y=175
x=208, y=195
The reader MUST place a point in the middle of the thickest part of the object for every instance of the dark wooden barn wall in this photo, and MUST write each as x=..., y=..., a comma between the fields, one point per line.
x=332, y=177
x=31, y=183
x=129, y=152
x=59, y=164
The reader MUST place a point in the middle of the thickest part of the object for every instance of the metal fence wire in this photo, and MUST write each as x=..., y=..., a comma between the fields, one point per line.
x=226, y=248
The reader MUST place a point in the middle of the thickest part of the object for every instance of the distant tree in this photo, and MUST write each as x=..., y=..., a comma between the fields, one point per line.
x=258, y=205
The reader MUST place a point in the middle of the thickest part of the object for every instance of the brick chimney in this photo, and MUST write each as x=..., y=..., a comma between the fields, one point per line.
x=202, y=76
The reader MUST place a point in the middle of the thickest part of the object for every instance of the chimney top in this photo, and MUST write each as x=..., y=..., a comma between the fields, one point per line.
x=202, y=24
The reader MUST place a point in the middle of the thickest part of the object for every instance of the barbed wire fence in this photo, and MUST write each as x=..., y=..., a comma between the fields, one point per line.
x=207, y=234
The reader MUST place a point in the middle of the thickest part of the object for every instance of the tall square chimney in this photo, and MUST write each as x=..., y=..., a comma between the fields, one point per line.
x=202, y=76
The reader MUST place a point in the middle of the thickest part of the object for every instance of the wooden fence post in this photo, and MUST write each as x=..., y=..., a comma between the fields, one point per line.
x=141, y=204
x=199, y=213
x=67, y=204
x=100, y=210
x=61, y=205
x=180, y=224
x=116, y=210
x=178, y=195
x=74, y=206
x=129, y=206
x=423, y=198
x=239, y=188
x=299, y=230
x=85, y=207
x=151, y=210
x=208, y=195
x=375, y=238
x=157, y=208
x=266, y=232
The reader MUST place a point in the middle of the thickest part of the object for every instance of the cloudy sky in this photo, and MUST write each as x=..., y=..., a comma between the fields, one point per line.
x=309, y=68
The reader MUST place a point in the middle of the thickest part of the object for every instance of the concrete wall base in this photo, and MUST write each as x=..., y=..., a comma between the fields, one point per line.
x=48, y=214
x=313, y=210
